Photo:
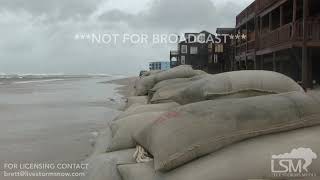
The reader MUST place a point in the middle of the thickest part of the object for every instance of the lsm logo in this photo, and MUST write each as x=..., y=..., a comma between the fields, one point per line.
x=293, y=164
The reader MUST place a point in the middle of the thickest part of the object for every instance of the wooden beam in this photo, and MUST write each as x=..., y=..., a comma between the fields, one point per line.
x=281, y=15
x=305, y=62
x=262, y=62
x=270, y=21
x=294, y=11
x=274, y=63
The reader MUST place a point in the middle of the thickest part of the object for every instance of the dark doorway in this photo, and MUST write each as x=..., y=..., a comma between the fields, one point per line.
x=315, y=56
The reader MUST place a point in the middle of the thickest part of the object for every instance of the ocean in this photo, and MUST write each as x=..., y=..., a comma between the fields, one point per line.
x=52, y=119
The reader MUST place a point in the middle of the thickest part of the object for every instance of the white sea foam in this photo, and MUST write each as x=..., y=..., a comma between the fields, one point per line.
x=37, y=81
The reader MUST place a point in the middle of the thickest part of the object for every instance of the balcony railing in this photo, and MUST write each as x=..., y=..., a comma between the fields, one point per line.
x=262, y=4
x=291, y=32
x=251, y=46
x=275, y=37
x=174, y=53
x=250, y=10
x=313, y=30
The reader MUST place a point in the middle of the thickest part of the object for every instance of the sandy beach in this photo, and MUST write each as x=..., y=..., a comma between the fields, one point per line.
x=53, y=121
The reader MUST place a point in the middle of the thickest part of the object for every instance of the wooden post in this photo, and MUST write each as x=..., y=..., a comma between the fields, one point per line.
x=274, y=63
x=260, y=25
x=294, y=11
x=262, y=62
x=281, y=15
x=305, y=75
x=270, y=21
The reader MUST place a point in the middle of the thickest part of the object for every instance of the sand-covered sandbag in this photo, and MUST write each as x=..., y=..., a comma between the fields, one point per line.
x=164, y=92
x=123, y=129
x=199, y=72
x=197, y=129
x=250, y=159
x=136, y=100
x=169, y=82
x=146, y=83
x=152, y=72
x=102, y=142
x=236, y=84
x=147, y=108
x=104, y=166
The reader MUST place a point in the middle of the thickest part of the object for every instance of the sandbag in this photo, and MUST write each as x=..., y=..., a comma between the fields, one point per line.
x=197, y=129
x=148, y=73
x=146, y=83
x=103, y=142
x=104, y=166
x=199, y=72
x=168, y=82
x=250, y=159
x=141, y=100
x=164, y=91
x=147, y=108
x=236, y=84
x=123, y=129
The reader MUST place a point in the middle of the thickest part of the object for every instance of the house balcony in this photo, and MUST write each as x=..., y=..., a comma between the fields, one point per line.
x=246, y=14
x=262, y=4
x=313, y=25
x=291, y=33
x=174, y=53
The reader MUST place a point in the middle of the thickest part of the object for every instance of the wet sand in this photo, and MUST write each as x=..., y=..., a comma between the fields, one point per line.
x=127, y=85
x=53, y=121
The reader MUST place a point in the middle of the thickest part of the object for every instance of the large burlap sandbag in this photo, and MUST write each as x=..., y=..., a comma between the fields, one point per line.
x=197, y=129
x=152, y=72
x=104, y=166
x=103, y=142
x=136, y=100
x=164, y=91
x=168, y=82
x=146, y=83
x=123, y=129
x=137, y=109
x=236, y=84
x=250, y=159
x=199, y=72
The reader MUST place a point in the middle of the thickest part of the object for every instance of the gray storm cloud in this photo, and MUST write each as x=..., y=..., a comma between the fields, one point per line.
x=37, y=35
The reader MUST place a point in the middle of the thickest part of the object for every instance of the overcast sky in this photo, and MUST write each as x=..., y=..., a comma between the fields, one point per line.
x=38, y=36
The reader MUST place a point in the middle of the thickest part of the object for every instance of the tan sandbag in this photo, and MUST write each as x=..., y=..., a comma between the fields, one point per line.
x=104, y=166
x=168, y=82
x=152, y=72
x=164, y=91
x=147, y=108
x=236, y=84
x=200, y=72
x=197, y=129
x=141, y=100
x=144, y=84
x=123, y=129
x=103, y=142
x=250, y=159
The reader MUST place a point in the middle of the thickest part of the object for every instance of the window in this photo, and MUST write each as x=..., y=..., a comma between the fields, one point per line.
x=210, y=59
x=184, y=49
x=183, y=60
x=215, y=58
x=219, y=48
x=193, y=50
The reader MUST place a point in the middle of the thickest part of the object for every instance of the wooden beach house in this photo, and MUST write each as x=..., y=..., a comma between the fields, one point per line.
x=282, y=36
